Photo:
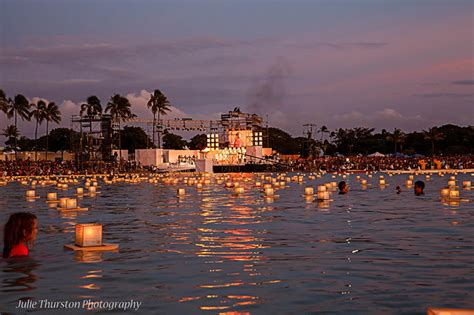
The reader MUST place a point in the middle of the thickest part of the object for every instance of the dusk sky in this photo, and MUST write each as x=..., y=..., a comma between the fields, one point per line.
x=376, y=63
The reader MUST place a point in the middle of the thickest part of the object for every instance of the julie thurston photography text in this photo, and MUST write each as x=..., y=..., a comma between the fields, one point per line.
x=86, y=304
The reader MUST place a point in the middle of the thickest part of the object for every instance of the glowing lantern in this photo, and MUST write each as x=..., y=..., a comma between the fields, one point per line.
x=269, y=192
x=79, y=190
x=181, y=192
x=88, y=235
x=322, y=188
x=239, y=190
x=71, y=203
x=52, y=196
x=453, y=194
x=309, y=191
x=30, y=194
x=466, y=184
x=382, y=182
x=323, y=195
x=363, y=182
x=444, y=192
x=451, y=183
x=409, y=183
x=63, y=202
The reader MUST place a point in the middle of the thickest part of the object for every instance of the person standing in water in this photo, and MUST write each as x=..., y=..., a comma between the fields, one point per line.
x=20, y=230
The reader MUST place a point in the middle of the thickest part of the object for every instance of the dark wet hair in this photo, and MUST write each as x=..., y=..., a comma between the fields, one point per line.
x=341, y=185
x=420, y=184
x=19, y=228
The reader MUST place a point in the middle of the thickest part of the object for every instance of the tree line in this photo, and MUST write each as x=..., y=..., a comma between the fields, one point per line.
x=118, y=107
x=447, y=139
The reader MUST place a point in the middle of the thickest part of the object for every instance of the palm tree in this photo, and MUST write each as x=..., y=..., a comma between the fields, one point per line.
x=18, y=107
x=397, y=137
x=433, y=135
x=51, y=113
x=11, y=132
x=3, y=102
x=119, y=108
x=38, y=112
x=160, y=105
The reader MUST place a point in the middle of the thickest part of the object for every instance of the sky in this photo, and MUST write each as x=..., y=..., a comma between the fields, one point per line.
x=389, y=64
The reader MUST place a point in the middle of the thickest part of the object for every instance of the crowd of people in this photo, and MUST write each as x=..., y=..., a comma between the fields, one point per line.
x=364, y=163
x=326, y=163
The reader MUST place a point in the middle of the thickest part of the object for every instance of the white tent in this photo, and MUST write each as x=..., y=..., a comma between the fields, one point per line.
x=376, y=154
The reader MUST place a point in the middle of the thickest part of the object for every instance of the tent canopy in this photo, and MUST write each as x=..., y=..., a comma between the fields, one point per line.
x=376, y=154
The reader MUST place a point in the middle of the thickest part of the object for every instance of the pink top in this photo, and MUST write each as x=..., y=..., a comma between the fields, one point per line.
x=19, y=250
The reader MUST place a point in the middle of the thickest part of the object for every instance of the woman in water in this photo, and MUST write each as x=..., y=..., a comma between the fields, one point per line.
x=20, y=231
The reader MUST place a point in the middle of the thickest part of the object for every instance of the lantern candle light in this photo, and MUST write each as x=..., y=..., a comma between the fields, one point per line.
x=308, y=191
x=453, y=194
x=88, y=235
x=30, y=194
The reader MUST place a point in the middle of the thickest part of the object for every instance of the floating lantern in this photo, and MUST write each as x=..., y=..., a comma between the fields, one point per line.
x=88, y=235
x=181, y=192
x=453, y=194
x=308, y=191
x=79, y=190
x=269, y=192
x=71, y=203
x=444, y=192
x=323, y=195
x=381, y=177
x=239, y=190
x=409, y=183
x=451, y=183
x=466, y=184
x=30, y=194
x=198, y=186
x=92, y=189
x=452, y=178
x=321, y=188
x=64, y=186
x=411, y=177
x=363, y=182
x=52, y=196
x=87, y=184
x=382, y=182
x=358, y=177
x=63, y=202
x=258, y=184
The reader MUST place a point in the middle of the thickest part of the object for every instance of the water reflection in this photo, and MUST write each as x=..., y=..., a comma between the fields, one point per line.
x=21, y=274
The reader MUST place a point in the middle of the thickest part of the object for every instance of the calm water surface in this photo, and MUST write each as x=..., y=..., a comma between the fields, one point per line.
x=369, y=252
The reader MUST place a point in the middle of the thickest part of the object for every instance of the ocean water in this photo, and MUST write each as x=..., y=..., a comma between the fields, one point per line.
x=371, y=251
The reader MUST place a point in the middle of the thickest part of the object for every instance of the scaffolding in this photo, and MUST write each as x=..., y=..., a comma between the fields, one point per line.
x=96, y=138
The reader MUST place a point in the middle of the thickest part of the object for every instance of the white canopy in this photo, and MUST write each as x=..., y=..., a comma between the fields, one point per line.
x=376, y=154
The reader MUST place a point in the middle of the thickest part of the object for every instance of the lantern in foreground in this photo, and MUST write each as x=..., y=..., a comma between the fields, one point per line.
x=88, y=234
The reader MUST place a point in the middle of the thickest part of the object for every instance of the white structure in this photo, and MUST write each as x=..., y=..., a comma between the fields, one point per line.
x=204, y=166
x=148, y=157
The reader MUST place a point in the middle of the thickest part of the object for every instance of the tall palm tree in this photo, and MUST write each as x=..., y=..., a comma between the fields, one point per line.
x=51, y=113
x=119, y=108
x=3, y=102
x=12, y=135
x=160, y=105
x=18, y=107
x=433, y=135
x=397, y=137
x=38, y=113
